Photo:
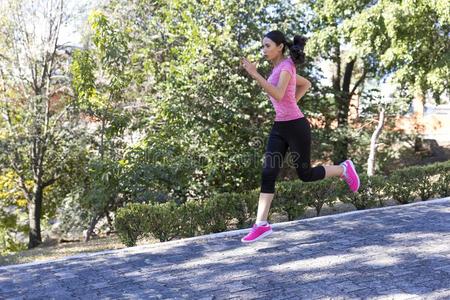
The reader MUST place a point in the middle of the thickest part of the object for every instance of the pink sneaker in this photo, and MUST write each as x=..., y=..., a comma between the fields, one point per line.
x=257, y=233
x=350, y=176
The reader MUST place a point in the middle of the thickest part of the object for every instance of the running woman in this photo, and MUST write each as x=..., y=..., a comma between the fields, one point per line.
x=290, y=128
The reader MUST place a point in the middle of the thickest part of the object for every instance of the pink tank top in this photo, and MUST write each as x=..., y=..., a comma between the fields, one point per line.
x=286, y=109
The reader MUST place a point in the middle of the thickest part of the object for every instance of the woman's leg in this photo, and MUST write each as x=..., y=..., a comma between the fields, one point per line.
x=273, y=160
x=298, y=133
x=331, y=171
x=299, y=139
x=265, y=200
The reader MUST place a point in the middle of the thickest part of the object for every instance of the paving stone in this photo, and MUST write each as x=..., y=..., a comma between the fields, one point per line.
x=398, y=252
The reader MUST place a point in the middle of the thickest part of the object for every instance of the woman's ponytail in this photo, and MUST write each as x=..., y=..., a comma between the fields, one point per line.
x=296, y=49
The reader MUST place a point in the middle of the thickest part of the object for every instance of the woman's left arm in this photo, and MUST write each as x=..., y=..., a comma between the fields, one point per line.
x=277, y=92
x=301, y=87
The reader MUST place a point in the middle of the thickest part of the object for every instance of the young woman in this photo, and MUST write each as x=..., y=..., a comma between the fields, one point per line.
x=290, y=129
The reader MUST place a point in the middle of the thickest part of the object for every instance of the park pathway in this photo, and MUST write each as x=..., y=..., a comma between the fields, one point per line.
x=397, y=252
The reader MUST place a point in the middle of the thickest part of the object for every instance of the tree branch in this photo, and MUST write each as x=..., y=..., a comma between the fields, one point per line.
x=360, y=80
x=22, y=180
x=51, y=181
x=348, y=75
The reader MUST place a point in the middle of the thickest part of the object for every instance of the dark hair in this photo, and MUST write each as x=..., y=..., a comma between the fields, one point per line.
x=295, y=48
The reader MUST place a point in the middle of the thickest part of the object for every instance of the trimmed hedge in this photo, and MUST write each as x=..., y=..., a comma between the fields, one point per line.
x=221, y=212
x=425, y=182
x=371, y=192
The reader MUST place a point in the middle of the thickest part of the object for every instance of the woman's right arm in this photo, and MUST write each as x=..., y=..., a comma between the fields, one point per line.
x=302, y=86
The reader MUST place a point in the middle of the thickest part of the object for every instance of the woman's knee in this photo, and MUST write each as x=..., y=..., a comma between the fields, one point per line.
x=269, y=173
x=305, y=175
x=311, y=174
x=269, y=176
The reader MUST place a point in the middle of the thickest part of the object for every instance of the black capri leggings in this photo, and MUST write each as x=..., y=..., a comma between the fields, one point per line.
x=295, y=134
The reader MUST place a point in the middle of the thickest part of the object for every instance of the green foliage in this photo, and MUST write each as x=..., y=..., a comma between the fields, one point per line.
x=406, y=38
x=128, y=230
x=369, y=195
x=103, y=187
x=71, y=215
x=223, y=207
x=439, y=175
x=290, y=198
x=316, y=194
x=12, y=213
x=419, y=182
x=205, y=114
x=102, y=74
x=327, y=18
x=8, y=242
x=195, y=134
x=206, y=111
x=444, y=180
x=169, y=220
x=83, y=80
x=404, y=42
x=426, y=187
x=402, y=186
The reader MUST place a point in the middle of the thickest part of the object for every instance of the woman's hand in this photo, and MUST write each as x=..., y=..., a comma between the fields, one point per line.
x=249, y=67
x=277, y=92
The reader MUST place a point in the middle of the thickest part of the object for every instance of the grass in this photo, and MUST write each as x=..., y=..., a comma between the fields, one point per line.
x=52, y=250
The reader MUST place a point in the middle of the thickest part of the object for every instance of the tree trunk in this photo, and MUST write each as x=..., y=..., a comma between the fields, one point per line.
x=110, y=222
x=102, y=137
x=418, y=105
x=90, y=230
x=343, y=105
x=34, y=215
x=373, y=144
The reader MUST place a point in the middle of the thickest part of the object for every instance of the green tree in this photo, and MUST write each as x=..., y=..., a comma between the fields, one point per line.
x=39, y=132
x=408, y=41
x=101, y=78
x=209, y=121
x=328, y=42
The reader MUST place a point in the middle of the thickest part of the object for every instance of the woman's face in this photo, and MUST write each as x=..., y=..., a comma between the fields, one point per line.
x=270, y=49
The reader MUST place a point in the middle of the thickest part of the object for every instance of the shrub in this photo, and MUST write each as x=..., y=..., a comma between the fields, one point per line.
x=369, y=193
x=170, y=220
x=321, y=192
x=290, y=198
